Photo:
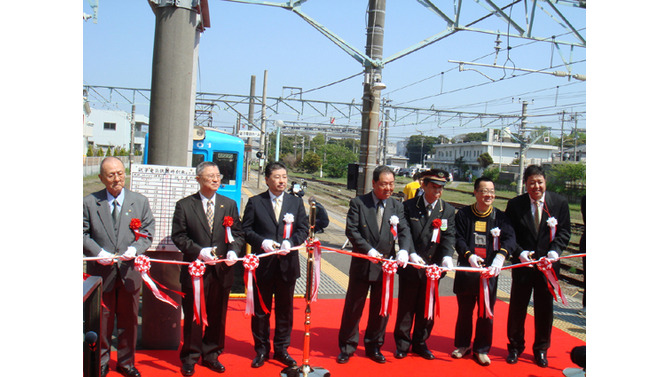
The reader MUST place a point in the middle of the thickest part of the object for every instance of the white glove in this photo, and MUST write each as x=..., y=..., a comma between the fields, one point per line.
x=130, y=253
x=496, y=266
x=415, y=258
x=475, y=260
x=374, y=253
x=231, y=258
x=108, y=257
x=206, y=254
x=285, y=247
x=268, y=245
x=448, y=262
x=403, y=258
x=552, y=256
x=524, y=256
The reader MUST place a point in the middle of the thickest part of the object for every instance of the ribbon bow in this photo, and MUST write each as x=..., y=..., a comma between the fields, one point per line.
x=433, y=275
x=288, y=225
x=394, y=221
x=227, y=223
x=135, y=225
x=389, y=268
x=547, y=269
x=250, y=263
x=197, y=269
x=437, y=223
x=142, y=265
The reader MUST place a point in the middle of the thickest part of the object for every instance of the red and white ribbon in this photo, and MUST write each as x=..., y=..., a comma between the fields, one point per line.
x=484, y=303
x=394, y=221
x=433, y=275
x=250, y=263
x=197, y=269
x=135, y=225
x=547, y=269
x=228, y=223
x=495, y=232
x=316, y=244
x=389, y=268
x=437, y=223
x=288, y=225
x=552, y=222
x=142, y=265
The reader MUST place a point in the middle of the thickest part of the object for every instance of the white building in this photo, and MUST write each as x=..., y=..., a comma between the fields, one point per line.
x=502, y=151
x=111, y=128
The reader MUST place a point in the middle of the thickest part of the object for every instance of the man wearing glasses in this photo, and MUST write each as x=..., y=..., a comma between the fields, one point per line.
x=484, y=237
x=199, y=232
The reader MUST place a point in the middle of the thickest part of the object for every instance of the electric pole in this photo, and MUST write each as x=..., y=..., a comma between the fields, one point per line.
x=523, y=147
x=371, y=95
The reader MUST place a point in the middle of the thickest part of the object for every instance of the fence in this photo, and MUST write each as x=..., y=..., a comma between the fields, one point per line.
x=92, y=164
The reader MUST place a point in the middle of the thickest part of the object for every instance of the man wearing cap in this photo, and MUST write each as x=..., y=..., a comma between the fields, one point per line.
x=484, y=237
x=410, y=189
x=432, y=245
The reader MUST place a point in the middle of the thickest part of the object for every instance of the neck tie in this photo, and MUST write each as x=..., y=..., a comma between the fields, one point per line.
x=115, y=212
x=277, y=208
x=380, y=214
x=210, y=214
x=429, y=208
x=538, y=214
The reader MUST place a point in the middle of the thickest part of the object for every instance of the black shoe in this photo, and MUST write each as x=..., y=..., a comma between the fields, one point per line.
x=285, y=358
x=541, y=359
x=128, y=372
x=400, y=354
x=187, y=369
x=342, y=358
x=104, y=370
x=423, y=352
x=375, y=355
x=512, y=357
x=259, y=360
x=214, y=365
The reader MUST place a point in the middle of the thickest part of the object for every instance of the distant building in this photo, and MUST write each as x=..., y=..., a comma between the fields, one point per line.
x=111, y=129
x=503, y=152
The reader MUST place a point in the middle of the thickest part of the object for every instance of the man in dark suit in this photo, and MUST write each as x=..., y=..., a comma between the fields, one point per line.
x=199, y=232
x=420, y=213
x=107, y=234
x=529, y=214
x=266, y=218
x=369, y=231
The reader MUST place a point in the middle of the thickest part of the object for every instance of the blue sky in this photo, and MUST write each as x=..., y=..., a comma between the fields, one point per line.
x=245, y=40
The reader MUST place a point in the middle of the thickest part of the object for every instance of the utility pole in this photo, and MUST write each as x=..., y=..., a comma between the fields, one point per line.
x=131, y=148
x=562, y=121
x=523, y=147
x=371, y=96
x=250, y=118
x=261, y=145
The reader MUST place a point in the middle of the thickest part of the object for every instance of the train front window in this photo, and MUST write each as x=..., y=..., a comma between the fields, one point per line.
x=227, y=163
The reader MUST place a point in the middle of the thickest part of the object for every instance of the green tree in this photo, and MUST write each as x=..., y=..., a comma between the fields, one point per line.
x=311, y=163
x=492, y=173
x=337, y=160
x=485, y=160
x=560, y=174
x=418, y=146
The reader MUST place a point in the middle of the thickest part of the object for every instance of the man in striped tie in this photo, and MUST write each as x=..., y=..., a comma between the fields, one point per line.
x=199, y=232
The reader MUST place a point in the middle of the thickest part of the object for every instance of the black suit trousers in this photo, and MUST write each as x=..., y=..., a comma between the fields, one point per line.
x=527, y=281
x=260, y=322
x=354, y=303
x=210, y=343
x=411, y=312
x=483, y=327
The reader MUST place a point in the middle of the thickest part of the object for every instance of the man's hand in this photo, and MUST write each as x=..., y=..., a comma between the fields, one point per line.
x=108, y=257
x=403, y=258
x=129, y=254
x=285, y=247
x=231, y=258
x=206, y=254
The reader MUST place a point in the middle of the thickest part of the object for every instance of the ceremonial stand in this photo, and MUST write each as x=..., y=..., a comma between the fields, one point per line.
x=305, y=369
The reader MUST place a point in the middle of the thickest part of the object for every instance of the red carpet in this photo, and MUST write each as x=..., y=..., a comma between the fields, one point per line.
x=325, y=325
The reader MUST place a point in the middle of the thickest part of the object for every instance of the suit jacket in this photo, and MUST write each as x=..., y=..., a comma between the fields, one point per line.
x=364, y=234
x=259, y=224
x=99, y=234
x=420, y=225
x=190, y=233
x=527, y=238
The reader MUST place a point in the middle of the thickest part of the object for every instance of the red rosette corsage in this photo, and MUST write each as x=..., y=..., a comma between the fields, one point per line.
x=227, y=224
x=435, y=237
x=135, y=225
